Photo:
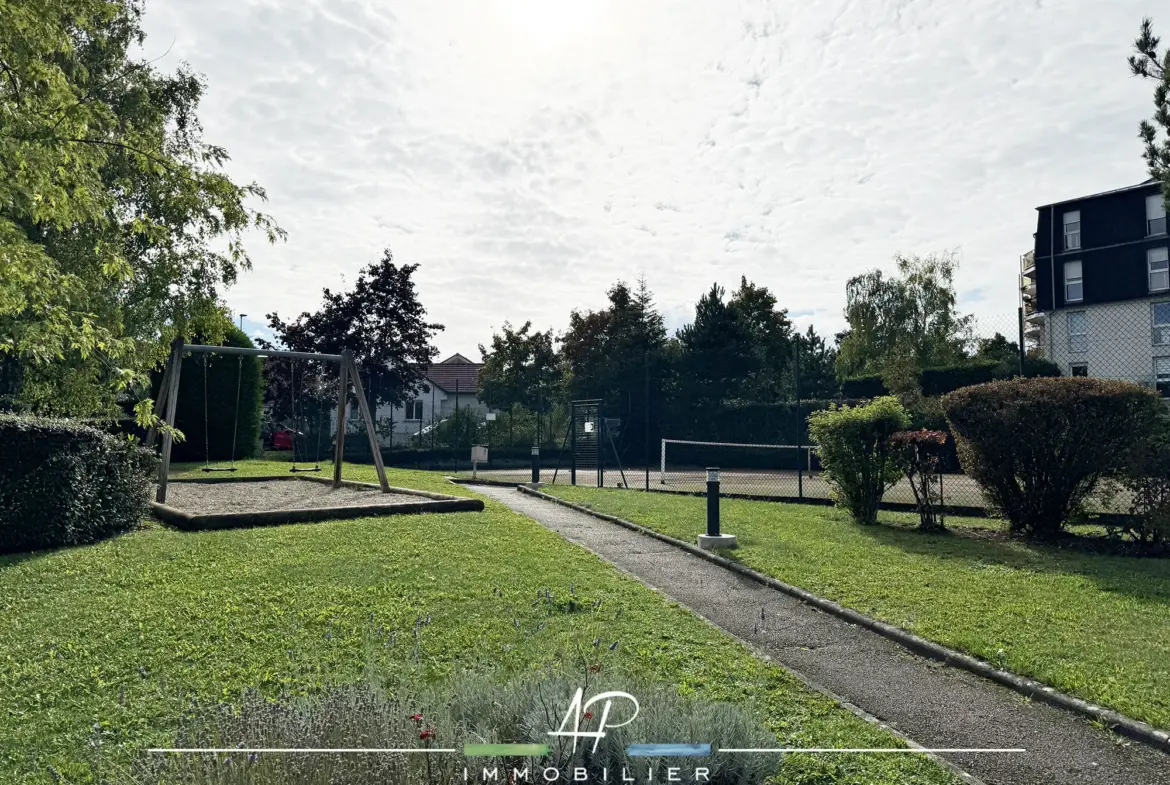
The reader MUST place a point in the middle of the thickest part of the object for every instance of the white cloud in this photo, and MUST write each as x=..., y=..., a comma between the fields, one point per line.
x=527, y=153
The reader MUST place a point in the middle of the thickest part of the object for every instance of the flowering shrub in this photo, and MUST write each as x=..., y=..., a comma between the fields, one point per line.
x=921, y=456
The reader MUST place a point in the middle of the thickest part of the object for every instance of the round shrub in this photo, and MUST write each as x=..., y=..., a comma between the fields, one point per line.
x=63, y=483
x=856, y=453
x=1039, y=447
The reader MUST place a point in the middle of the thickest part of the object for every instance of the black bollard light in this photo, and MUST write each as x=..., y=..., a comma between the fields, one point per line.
x=714, y=538
x=536, y=465
x=712, y=502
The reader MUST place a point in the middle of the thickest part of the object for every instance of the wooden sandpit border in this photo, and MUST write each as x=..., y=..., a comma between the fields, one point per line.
x=189, y=521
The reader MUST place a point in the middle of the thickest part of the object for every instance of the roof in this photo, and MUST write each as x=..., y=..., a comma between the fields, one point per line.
x=455, y=372
x=1143, y=184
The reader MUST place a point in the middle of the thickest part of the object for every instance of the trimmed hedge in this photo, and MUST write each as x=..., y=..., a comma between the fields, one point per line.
x=864, y=387
x=1039, y=447
x=940, y=381
x=220, y=405
x=63, y=483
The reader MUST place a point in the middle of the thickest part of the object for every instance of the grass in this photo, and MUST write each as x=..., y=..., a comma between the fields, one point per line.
x=1092, y=625
x=110, y=644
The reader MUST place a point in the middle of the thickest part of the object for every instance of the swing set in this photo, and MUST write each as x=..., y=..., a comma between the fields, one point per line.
x=348, y=373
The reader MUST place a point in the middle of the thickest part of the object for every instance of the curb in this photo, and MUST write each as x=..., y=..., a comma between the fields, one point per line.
x=1126, y=726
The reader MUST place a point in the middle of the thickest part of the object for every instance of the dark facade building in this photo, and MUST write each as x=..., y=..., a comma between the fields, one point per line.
x=1096, y=286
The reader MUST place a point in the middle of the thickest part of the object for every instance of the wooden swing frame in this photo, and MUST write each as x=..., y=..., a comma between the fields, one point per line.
x=168, y=396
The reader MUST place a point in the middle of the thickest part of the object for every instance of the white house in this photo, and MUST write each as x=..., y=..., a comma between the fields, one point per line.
x=448, y=386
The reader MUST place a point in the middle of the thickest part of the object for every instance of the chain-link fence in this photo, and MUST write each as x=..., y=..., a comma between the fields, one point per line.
x=764, y=449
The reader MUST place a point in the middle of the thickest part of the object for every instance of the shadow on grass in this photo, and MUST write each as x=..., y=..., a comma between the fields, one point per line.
x=1144, y=578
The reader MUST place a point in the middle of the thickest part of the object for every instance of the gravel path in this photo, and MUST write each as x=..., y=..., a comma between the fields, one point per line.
x=936, y=706
x=227, y=497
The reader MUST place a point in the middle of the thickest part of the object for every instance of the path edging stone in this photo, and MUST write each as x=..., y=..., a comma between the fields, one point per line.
x=1127, y=726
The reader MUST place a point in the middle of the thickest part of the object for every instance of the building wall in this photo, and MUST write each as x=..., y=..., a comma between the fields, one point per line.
x=435, y=408
x=1120, y=340
x=1112, y=253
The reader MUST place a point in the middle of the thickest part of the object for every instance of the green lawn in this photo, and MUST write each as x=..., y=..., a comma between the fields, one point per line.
x=112, y=642
x=1095, y=626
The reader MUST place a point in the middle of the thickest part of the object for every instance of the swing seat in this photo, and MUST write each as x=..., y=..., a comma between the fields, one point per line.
x=298, y=469
x=219, y=468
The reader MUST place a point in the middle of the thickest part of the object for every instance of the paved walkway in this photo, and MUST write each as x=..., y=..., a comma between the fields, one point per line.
x=936, y=706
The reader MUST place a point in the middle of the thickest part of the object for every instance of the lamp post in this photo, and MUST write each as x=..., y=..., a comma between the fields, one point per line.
x=714, y=538
x=242, y=320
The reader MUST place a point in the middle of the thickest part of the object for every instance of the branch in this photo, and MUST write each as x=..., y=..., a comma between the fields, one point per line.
x=93, y=92
x=12, y=78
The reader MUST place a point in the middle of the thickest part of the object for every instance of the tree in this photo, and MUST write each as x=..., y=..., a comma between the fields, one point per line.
x=901, y=325
x=737, y=349
x=818, y=375
x=616, y=354
x=518, y=369
x=1147, y=63
x=118, y=229
x=380, y=321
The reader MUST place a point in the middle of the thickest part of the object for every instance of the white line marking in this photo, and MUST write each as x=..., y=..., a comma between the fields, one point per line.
x=296, y=750
x=820, y=750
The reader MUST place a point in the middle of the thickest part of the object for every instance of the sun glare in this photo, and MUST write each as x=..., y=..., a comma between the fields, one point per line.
x=547, y=21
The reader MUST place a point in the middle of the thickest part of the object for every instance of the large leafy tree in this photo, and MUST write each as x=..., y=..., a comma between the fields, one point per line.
x=900, y=324
x=380, y=321
x=118, y=229
x=1148, y=63
x=519, y=368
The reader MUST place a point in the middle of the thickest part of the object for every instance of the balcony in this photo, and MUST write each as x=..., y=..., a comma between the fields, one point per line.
x=1028, y=264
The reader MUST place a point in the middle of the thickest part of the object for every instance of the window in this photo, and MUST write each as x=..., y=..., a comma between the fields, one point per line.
x=1072, y=230
x=1161, y=318
x=1162, y=375
x=1079, y=369
x=1155, y=215
x=1159, y=267
x=1078, y=331
x=414, y=410
x=1074, y=285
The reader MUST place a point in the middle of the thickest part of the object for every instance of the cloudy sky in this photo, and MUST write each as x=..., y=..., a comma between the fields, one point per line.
x=528, y=153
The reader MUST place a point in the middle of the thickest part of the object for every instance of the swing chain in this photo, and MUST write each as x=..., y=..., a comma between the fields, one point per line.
x=206, y=437
x=236, y=424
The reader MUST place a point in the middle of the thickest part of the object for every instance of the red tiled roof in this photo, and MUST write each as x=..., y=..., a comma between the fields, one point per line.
x=455, y=370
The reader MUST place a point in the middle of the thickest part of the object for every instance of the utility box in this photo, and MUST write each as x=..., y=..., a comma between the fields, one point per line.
x=479, y=454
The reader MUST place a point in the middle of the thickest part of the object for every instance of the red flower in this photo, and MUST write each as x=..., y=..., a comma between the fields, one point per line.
x=415, y=717
x=429, y=733
x=588, y=715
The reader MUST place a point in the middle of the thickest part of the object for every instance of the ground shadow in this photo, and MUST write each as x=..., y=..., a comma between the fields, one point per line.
x=1144, y=578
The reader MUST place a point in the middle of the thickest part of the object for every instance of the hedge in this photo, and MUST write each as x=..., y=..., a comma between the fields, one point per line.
x=1040, y=447
x=945, y=379
x=220, y=404
x=64, y=483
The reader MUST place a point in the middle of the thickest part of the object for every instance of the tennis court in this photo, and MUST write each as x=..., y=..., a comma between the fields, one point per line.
x=958, y=490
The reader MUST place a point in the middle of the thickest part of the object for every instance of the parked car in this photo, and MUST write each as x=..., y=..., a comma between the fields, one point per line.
x=282, y=439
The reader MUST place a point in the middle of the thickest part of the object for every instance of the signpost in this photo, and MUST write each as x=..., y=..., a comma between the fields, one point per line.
x=479, y=453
